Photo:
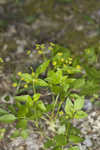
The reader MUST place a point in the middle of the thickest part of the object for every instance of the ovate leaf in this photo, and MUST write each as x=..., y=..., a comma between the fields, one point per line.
x=36, y=96
x=41, y=106
x=27, y=77
x=49, y=143
x=79, y=83
x=75, y=139
x=60, y=140
x=69, y=106
x=79, y=103
x=22, y=124
x=80, y=115
x=2, y=111
x=42, y=68
x=7, y=118
x=24, y=133
x=41, y=82
x=23, y=98
x=74, y=148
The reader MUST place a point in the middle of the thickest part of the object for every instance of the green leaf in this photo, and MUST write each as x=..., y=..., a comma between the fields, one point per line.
x=24, y=133
x=80, y=115
x=71, y=70
x=60, y=140
x=15, y=134
x=75, y=139
x=41, y=82
x=69, y=106
x=57, y=148
x=79, y=102
x=27, y=77
x=23, y=98
x=49, y=143
x=36, y=97
x=42, y=68
x=74, y=131
x=79, y=83
x=7, y=118
x=74, y=148
x=2, y=111
x=41, y=106
x=54, y=77
x=22, y=111
x=22, y=124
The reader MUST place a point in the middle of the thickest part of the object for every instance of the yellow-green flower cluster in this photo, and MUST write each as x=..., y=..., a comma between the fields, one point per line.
x=69, y=61
x=61, y=113
x=59, y=54
x=26, y=86
x=78, y=67
x=19, y=73
x=87, y=51
x=54, y=63
x=28, y=52
x=40, y=48
x=51, y=46
x=1, y=60
x=14, y=84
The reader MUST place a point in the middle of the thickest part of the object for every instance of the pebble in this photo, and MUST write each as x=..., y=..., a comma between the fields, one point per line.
x=79, y=27
x=82, y=147
x=7, y=59
x=88, y=105
x=20, y=49
x=88, y=142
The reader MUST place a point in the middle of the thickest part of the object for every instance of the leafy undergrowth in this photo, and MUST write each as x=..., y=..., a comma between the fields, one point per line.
x=52, y=95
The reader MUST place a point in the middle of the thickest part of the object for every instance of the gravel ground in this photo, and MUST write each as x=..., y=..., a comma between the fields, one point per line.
x=77, y=26
x=90, y=128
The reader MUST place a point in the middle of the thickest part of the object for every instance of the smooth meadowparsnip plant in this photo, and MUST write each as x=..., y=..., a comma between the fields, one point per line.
x=51, y=97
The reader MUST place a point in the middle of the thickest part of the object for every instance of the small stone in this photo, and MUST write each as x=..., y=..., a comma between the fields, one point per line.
x=20, y=49
x=7, y=59
x=88, y=142
x=79, y=27
x=88, y=105
x=20, y=148
x=82, y=147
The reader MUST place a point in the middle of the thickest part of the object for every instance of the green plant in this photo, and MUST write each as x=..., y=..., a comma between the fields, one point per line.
x=62, y=78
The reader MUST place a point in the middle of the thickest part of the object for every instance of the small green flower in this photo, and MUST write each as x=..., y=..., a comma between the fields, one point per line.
x=54, y=63
x=59, y=54
x=28, y=52
x=37, y=46
x=1, y=60
x=42, y=46
x=50, y=48
x=25, y=86
x=62, y=59
x=40, y=52
x=78, y=67
x=14, y=84
x=52, y=44
x=19, y=73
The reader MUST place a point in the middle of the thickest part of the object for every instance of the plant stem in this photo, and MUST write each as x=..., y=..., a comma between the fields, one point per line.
x=55, y=105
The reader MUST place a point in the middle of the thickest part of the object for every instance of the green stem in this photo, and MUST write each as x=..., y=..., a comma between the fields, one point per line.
x=55, y=102
x=58, y=109
x=34, y=90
